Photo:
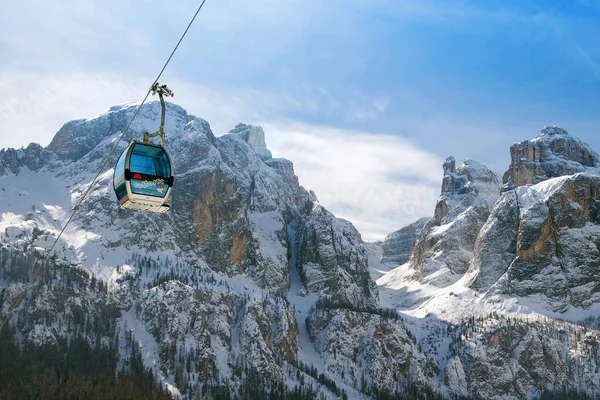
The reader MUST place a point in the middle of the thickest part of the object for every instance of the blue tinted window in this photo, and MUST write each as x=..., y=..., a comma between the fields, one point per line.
x=153, y=163
x=149, y=160
x=120, y=168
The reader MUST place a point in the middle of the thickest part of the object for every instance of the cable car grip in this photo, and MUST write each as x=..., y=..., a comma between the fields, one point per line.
x=161, y=90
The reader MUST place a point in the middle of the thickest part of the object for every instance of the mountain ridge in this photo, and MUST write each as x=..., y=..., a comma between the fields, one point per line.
x=249, y=284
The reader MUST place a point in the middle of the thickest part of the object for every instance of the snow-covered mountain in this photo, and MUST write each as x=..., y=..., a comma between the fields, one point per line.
x=520, y=269
x=216, y=291
x=248, y=286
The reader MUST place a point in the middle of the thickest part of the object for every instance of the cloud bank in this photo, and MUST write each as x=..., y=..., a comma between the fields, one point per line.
x=378, y=182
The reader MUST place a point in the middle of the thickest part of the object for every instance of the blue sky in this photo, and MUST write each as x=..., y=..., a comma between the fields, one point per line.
x=434, y=78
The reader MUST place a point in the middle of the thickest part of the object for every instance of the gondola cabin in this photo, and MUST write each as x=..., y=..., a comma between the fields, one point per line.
x=143, y=177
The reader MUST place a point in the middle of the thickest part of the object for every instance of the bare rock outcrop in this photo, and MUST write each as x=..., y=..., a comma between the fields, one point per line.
x=332, y=259
x=388, y=356
x=32, y=157
x=550, y=154
x=544, y=240
x=444, y=247
x=255, y=137
x=398, y=245
x=513, y=359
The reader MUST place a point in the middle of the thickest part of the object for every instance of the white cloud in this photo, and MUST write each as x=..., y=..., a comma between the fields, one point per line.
x=378, y=182
x=40, y=103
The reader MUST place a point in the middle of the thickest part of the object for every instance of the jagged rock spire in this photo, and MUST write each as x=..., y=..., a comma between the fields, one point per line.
x=255, y=137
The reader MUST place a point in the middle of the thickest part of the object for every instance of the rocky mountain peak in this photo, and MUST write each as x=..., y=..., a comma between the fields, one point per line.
x=554, y=152
x=533, y=249
x=552, y=130
x=449, y=165
x=235, y=267
x=13, y=160
x=476, y=172
x=470, y=177
x=79, y=137
x=445, y=243
x=255, y=137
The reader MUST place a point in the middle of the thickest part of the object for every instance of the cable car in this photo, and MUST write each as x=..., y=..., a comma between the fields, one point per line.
x=143, y=176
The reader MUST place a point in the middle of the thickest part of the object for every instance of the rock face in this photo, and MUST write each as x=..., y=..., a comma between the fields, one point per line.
x=544, y=240
x=255, y=137
x=33, y=157
x=244, y=210
x=391, y=358
x=495, y=247
x=445, y=244
x=503, y=359
x=263, y=328
x=398, y=245
x=331, y=259
x=550, y=154
x=240, y=208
